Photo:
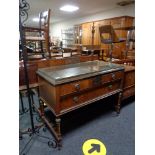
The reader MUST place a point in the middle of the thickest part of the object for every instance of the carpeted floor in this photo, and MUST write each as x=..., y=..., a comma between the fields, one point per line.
x=94, y=121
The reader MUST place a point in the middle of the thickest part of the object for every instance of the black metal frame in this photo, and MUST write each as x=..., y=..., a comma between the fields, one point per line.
x=34, y=130
x=23, y=109
x=23, y=8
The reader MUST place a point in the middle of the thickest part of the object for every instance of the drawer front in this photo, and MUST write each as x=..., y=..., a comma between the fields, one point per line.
x=74, y=100
x=129, y=79
x=112, y=76
x=81, y=85
x=69, y=88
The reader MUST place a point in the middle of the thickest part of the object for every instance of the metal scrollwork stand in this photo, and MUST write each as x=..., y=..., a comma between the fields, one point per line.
x=34, y=130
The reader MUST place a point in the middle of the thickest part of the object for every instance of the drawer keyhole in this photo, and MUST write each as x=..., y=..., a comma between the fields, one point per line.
x=110, y=86
x=75, y=99
x=113, y=76
x=77, y=87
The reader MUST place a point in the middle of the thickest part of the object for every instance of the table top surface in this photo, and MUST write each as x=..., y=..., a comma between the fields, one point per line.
x=67, y=73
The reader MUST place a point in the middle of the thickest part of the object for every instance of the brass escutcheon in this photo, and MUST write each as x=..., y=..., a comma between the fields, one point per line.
x=77, y=86
x=113, y=76
x=75, y=99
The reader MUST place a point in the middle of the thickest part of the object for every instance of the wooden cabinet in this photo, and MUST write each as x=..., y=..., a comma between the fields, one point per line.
x=129, y=77
x=129, y=82
x=117, y=22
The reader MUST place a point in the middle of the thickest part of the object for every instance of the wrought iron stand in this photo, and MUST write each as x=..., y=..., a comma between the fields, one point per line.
x=34, y=130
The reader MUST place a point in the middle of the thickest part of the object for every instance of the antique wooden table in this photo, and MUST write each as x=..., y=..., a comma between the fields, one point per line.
x=69, y=87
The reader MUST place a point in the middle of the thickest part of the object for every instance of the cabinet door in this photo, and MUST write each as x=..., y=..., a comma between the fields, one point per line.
x=77, y=34
x=87, y=33
x=97, y=34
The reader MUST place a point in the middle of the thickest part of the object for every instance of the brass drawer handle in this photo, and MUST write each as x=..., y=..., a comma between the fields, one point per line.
x=77, y=87
x=75, y=99
x=110, y=86
x=113, y=76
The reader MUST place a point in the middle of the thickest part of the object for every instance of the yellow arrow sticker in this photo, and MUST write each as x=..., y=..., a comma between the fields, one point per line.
x=93, y=147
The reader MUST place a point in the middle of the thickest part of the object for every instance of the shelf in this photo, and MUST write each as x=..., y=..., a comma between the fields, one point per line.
x=69, y=33
x=68, y=36
x=68, y=39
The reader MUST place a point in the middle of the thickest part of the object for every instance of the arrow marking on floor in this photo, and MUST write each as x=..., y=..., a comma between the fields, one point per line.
x=95, y=147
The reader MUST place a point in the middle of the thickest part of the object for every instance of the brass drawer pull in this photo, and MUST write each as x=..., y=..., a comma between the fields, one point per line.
x=113, y=76
x=110, y=86
x=75, y=99
x=77, y=87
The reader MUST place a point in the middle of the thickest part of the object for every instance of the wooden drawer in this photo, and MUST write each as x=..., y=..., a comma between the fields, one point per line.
x=81, y=85
x=74, y=87
x=112, y=76
x=82, y=98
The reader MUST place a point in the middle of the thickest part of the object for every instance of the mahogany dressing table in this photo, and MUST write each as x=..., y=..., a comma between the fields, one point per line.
x=69, y=87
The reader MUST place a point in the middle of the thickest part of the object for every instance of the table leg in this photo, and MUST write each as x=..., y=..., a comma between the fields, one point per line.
x=118, y=103
x=58, y=131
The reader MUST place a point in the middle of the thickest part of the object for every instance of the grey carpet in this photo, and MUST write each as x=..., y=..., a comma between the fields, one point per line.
x=94, y=121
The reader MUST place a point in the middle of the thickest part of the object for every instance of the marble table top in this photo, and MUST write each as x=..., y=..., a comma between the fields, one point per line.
x=67, y=73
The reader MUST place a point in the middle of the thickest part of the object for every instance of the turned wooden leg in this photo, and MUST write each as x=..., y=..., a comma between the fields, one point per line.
x=119, y=103
x=58, y=131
